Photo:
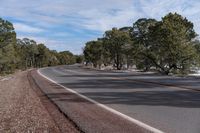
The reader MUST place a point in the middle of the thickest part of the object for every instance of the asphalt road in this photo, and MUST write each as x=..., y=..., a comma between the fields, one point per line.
x=167, y=108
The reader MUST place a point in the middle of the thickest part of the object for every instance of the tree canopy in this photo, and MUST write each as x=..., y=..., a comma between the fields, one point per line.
x=26, y=53
x=168, y=46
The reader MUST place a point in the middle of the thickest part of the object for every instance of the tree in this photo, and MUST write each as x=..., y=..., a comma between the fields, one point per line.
x=93, y=52
x=114, y=42
x=26, y=53
x=7, y=49
x=128, y=47
x=28, y=50
x=43, y=56
x=79, y=58
x=66, y=58
x=140, y=34
x=171, y=48
x=53, y=58
x=167, y=45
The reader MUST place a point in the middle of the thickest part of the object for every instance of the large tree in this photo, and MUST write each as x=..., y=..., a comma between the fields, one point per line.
x=140, y=35
x=7, y=46
x=43, y=56
x=114, y=42
x=171, y=48
x=28, y=51
x=167, y=45
x=66, y=58
x=93, y=52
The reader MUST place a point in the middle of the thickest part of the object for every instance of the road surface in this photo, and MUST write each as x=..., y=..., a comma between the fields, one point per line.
x=167, y=108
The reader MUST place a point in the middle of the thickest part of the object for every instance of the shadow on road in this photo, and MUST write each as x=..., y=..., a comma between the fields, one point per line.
x=190, y=82
x=186, y=99
x=103, y=88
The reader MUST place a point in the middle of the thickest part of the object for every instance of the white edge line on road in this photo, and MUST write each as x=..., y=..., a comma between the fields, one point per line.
x=137, y=122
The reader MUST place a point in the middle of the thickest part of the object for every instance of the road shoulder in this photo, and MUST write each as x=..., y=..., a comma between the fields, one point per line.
x=22, y=107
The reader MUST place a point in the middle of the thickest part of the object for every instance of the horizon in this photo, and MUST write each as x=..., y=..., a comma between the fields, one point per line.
x=68, y=25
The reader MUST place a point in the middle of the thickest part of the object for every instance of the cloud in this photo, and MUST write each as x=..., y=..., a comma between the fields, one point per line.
x=71, y=23
x=57, y=44
x=102, y=21
x=20, y=27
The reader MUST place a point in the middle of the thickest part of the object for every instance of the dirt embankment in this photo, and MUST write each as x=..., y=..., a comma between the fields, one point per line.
x=23, y=108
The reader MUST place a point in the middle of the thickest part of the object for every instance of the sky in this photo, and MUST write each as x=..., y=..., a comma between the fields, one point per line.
x=69, y=24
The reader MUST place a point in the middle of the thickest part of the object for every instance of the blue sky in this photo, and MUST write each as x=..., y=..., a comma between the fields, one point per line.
x=68, y=24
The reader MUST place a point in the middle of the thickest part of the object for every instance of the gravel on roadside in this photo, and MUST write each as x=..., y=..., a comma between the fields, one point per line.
x=22, y=110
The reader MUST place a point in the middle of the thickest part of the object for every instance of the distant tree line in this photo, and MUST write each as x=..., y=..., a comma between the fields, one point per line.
x=25, y=53
x=167, y=46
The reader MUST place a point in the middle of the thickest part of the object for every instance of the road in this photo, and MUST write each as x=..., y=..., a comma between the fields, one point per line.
x=167, y=108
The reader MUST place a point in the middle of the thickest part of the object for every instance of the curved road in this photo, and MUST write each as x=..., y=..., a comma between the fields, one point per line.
x=167, y=108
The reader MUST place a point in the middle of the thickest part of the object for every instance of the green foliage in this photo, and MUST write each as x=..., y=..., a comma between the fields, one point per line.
x=26, y=53
x=93, y=52
x=79, y=58
x=7, y=50
x=171, y=48
x=53, y=58
x=115, y=43
x=140, y=34
x=167, y=46
x=112, y=48
x=66, y=58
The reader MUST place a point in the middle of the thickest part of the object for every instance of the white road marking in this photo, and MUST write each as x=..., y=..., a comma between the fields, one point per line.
x=137, y=122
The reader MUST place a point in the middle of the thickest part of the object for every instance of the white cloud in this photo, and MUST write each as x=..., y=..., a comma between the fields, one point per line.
x=60, y=45
x=94, y=14
x=20, y=27
x=104, y=20
x=89, y=15
x=36, y=38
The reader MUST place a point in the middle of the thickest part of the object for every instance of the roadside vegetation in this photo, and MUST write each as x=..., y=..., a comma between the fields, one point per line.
x=26, y=53
x=168, y=46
